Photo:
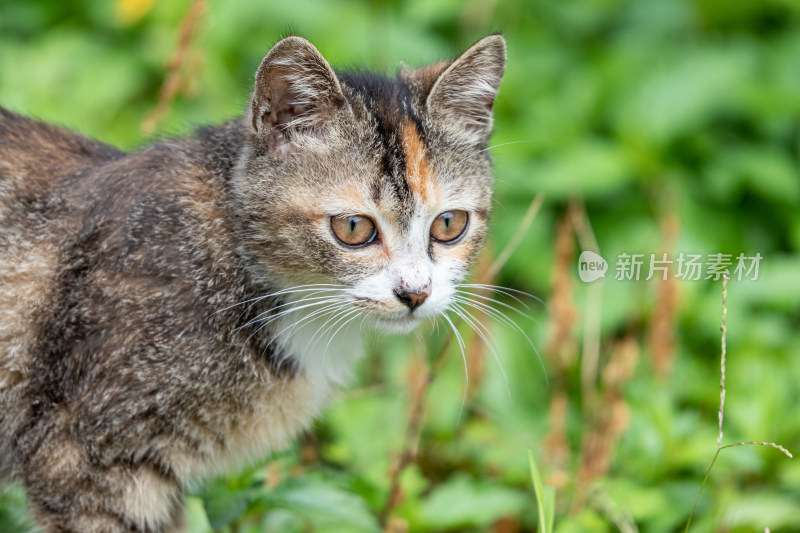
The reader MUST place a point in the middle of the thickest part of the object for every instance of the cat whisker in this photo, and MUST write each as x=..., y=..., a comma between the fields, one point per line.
x=366, y=315
x=327, y=308
x=505, y=319
x=481, y=306
x=331, y=308
x=306, y=299
x=498, y=288
x=353, y=315
x=310, y=287
x=264, y=323
x=289, y=329
x=506, y=291
x=338, y=315
x=496, y=315
x=473, y=154
x=328, y=325
x=314, y=289
x=288, y=290
x=495, y=301
x=461, y=347
x=486, y=336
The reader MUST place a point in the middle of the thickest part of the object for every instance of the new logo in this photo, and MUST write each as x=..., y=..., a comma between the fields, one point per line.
x=591, y=266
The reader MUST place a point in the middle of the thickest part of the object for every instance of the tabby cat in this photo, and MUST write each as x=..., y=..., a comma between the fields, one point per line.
x=170, y=314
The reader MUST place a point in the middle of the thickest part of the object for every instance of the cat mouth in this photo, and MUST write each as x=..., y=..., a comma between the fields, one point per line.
x=398, y=324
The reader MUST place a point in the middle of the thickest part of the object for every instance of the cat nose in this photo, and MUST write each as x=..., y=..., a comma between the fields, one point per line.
x=412, y=299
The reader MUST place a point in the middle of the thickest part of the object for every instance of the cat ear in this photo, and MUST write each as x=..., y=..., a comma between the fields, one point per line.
x=462, y=97
x=296, y=91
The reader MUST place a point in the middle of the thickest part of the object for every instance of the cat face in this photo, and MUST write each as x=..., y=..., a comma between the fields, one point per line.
x=377, y=188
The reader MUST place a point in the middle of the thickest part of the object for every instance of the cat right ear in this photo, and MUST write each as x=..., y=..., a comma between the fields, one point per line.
x=462, y=97
x=296, y=92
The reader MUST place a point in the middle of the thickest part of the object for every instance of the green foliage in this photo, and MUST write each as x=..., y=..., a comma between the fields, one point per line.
x=461, y=502
x=641, y=111
x=545, y=498
x=13, y=518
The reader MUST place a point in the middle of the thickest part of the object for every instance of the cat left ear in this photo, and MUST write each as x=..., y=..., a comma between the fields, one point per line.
x=296, y=91
x=462, y=98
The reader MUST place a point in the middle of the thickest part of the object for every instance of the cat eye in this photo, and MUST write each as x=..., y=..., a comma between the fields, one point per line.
x=353, y=230
x=450, y=226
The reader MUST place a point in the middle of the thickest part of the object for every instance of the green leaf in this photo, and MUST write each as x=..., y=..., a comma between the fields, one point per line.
x=754, y=511
x=591, y=168
x=196, y=517
x=463, y=502
x=225, y=503
x=545, y=498
x=13, y=514
x=682, y=90
x=321, y=501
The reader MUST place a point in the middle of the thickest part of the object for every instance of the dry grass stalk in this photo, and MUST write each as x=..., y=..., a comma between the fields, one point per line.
x=724, y=330
x=420, y=376
x=561, y=351
x=272, y=474
x=610, y=422
x=662, y=329
x=720, y=414
x=556, y=445
x=516, y=239
x=605, y=413
x=590, y=354
x=176, y=80
x=396, y=525
x=507, y=524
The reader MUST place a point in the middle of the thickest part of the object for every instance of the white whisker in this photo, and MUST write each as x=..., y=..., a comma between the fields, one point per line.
x=353, y=315
x=366, y=315
x=289, y=290
x=325, y=306
x=337, y=315
x=473, y=154
x=506, y=291
x=264, y=319
x=488, y=309
x=492, y=300
x=500, y=316
x=331, y=308
x=485, y=335
x=306, y=299
x=461, y=346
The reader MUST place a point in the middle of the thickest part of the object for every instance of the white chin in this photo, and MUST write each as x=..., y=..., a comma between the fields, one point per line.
x=398, y=325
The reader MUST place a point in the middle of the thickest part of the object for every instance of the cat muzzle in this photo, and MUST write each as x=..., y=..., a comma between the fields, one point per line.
x=412, y=300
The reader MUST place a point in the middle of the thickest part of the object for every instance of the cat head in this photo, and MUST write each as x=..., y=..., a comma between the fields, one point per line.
x=380, y=186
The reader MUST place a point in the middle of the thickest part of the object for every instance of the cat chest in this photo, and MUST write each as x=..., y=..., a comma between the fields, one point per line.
x=269, y=419
x=268, y=415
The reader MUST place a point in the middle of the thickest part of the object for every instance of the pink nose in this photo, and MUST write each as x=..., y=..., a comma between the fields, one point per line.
x=412, y=299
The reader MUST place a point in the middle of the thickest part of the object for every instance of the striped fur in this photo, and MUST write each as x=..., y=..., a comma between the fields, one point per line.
x=173, y=313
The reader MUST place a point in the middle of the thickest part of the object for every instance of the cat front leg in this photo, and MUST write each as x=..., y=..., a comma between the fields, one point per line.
x=70, y=493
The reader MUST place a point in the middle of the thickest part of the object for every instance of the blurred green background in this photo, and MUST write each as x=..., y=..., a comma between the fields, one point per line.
x=650, y=126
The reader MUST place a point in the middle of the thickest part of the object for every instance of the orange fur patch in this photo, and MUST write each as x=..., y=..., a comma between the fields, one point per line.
x=353, y=195
x=418, y=169
x=430, y=74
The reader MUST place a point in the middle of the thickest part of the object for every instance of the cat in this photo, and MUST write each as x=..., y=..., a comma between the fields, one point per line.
x=173, y=313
